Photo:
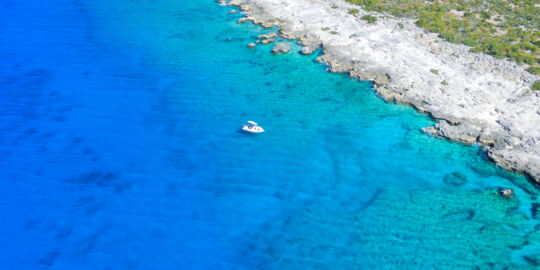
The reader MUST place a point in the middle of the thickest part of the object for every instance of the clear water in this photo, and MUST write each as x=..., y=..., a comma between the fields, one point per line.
x=120, y=149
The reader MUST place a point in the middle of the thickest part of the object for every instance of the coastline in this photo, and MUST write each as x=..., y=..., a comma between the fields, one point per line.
x=475, y=98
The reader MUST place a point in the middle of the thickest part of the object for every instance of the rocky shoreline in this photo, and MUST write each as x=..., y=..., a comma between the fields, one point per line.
x=474, y=97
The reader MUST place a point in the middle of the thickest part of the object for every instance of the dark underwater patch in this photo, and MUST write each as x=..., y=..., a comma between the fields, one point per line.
x=121, y=187
x=372, y=199
x=37, y=79
x=99, y=179
x=455, y=179
x=31, y=224
x=50, y=258
x=464, y=215
x=535, y=210
x=64, y=232
x=533, y=260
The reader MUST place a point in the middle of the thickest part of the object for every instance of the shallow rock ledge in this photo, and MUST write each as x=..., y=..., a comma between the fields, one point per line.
x=476, y=98
x=281, y=48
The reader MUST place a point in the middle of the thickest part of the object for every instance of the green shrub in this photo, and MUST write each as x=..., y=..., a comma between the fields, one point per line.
x=369, y=19
x=534, y=70
x=400, y=25
x=444, y=83
x=516, y=36
x=536, y=86
x=434, y=71
x=353, y=11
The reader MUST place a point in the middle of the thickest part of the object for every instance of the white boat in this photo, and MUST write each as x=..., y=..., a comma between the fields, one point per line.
x=252, y=127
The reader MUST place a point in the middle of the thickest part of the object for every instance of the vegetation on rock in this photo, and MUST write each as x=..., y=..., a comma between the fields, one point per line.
x=536, y=86
x=369, y=19
x=501, y=28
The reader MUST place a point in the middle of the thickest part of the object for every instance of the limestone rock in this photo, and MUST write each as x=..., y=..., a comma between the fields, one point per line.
x=388, y=94
x=236, y=2
x=464, y=132
x=268, y=36
x=281, y=48
x=245, y=7
x=243, y=20
x=336, y=63
x=382, y=79
x=311, y=48
x=507, y=193
x=267, y=41
x=310, y=43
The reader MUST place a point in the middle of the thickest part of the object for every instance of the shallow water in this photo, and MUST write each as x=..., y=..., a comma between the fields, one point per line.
x=121, y=149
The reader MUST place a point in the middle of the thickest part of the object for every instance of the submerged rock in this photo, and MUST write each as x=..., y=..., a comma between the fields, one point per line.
x=459, y=216
x=281, y=48
x=507, y=193
x=533, y=259
x=482, y=168
x=534, y=236
x=455, y=179
x=535, y=210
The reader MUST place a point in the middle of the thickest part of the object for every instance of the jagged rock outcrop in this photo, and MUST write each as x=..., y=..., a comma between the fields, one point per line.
x=281, y=48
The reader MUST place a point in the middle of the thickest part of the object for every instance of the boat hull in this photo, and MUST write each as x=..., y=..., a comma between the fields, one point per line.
x=255, y=129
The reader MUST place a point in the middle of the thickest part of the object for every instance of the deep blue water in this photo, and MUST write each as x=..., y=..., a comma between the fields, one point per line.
x=120, y=149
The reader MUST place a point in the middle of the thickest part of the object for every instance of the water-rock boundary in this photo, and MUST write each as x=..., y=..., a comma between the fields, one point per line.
x=474, y=97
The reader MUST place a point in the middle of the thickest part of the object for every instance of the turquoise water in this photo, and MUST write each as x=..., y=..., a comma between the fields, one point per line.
x=121, y=150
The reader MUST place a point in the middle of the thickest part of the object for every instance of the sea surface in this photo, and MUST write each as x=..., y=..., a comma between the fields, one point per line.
x=120, y=149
